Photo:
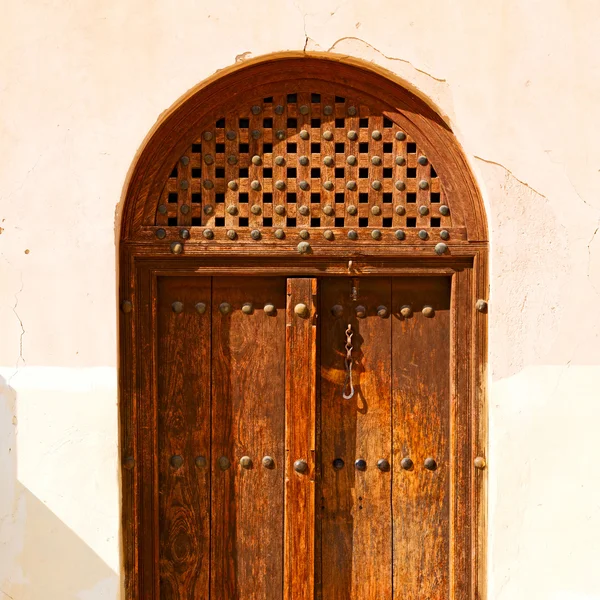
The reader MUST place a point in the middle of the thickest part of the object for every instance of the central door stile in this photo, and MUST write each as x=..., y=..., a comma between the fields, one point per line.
x=301, y=364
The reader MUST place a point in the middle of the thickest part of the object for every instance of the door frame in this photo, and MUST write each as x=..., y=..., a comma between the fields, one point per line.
x=468, y=269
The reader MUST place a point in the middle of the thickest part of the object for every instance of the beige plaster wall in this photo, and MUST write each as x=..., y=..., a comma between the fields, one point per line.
x=81, y=84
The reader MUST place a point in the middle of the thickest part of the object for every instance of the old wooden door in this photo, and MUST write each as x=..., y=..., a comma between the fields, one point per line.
x=273, y=485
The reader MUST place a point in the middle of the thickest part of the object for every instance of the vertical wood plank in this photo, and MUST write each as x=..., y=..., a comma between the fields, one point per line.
x=356, y=505
x=183, y=340
x=301, y=348
x=421, y=414
x=248, y=407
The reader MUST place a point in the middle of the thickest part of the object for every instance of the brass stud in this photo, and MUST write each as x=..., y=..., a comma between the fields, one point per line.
x=224, y=463
x=376, y=160
x=423, y=234
x=247, y=308
x=352, y=135
x=304, y=109
x=280, y=209
x=279, y=161
x=428, y=311
x=162, y=209
x=338, y=464
x=422, y=160
x=383, y=465
x=279, y=234
x=201, y=462
x=269, y=309
x=303, y=160
x=328, y=234
x=208, y=185
x=255, y=234
x=352, y=235
x=351, y=185
x=337, y=311
x=328, y=161
x=177, y=307
x=256, y=160
x=430, y=464
x=423, y=210
x=351, y=209
x=255, y=134
x=351, y=160
x=375, y=210
x=400, y=136
x=327, y=136
x=444, y=234
x=328, y=185
x=423, y=184
x=185, y=209
x=208, y=210
x=376, y=234
x=406, y=311
x=184, y=234
x=233, y=185
x=300, y=466
x=255, y=209
x=481, y=306
x=301, y=310
x=176, y=247
x=185, y=160
x=126, y=306
x=209, y=159
x=383, y=312
x=399, y=234
x=207, y=135
x=304, y=210
x=303, y=248
x=280, y=185
x=479, y=462
x=232, y=209
x=161, y=234
x=352, y=111
x=303, y=134
x=232, y=159
x=304, y=234
x=328, y=210
x=246, y=462
x=230, y=135
x=376, y=185
x=200, y=308
x=128, y=463
x=268, y=462
x=400, y=210
x=441, y=248
x=279, y=109
x=231, y=234
x=400, y=161
x=176, y=461
x=444, y=210
x=406, y=463
x=208, y=234
x=328, y=110
x=376, y=134
x=361, y=311
x=303, y=185
x=224, y=308
x=184, y=184
x=400, y=185
x=256, y=109
x=360, y=464
x=280, y=134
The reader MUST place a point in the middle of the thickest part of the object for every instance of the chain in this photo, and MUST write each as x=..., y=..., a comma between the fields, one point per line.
x=348, y=385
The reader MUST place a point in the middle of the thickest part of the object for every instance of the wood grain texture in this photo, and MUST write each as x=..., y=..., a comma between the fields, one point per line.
x=356, y=505
x=184, y=341
x=248, y=408
x=421, y=416
x=301, y=352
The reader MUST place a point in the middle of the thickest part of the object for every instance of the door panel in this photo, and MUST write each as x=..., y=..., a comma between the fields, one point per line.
x=248, y=414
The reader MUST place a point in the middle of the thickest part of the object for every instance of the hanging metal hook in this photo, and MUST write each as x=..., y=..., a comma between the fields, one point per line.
x=348, y=390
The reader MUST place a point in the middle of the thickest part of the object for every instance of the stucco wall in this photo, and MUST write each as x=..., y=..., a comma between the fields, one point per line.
x=81, y=84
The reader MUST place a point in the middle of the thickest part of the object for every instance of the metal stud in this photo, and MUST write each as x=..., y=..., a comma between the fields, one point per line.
x=444, y=234
x=256, y=160
x=351, y=185
x=428, y=311
x=208, y=210
x=376, y=234
x=279, y=109
x=209, y=159
x=352, y=235
x=207, y=135
x=351, y=159
x=406, y=463
x=231, y=234
x=177, y=307
x=185, y=209
x=280, y=134
x=303, y=248
x=444, y=210
x=247, y=308
x=304, y=109
x=400, y=136
x=224, y=308
x=184, y=184
x=328, y=210
x=303, y=185
x=400, y=210
x=224, y=463
x=352, y=135
x=301, y=310
x=423, y=234
x=126, y=306
x=233, y=185
x=422, y=160
x=176, y=247
x=338, y=464
x=255, y=234
x=327, y=110
x=256, y=109
x=230, y=135
x=430, y=464
x=184, y=234
x=279, y=234
x=246, y=462
x=304, y=210
x=328, y=161
x=232, y=159
x=383, y=465
x=481, y=306
x=232, y=209
x=383, y=312
x=280, y=184
x=400, y=161
x=441, y=248
x=400, y=185
x=280, y=209
x=360, y=464
x=279, y=161
x=376, y=134
x=361, y=311
x=304, y=235
x=161, y=234
x=269, y=309
x=304, y=134
x=376, y=185
x=328, y=185
x=176, y=461
x=128, y=463
x=328, y=234
x=479, y=462
x=162, y=209
x=352, y=111
x=327, y=136
x=375, y=210
x=201, y=462
x=423, y=184
x=208, y=185
x=303, y=160
x=337, y=311
x=406, y=311
x=268, y=462
x=185, y=160
x=423, y=210
x=300, y=466
x=255, y=134
x=255, y=209
x=376, y=160
x=352, y=210
x=399, y=234
x=208, y=234
x=200, y=308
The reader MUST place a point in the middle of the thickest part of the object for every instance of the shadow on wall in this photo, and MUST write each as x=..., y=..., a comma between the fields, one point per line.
x=41, y=558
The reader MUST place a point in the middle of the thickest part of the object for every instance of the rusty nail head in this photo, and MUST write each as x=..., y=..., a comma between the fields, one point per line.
x=361, y=311
x=430, y=464
x=328, y=234
x=479, y=462
x=270, y=309
x=231, y=234
x=201, y=462
x=441, y=248
x=338, y=464
x=400, y=235
x=481, y=306
x=161, y=234
x=337, y=311
x=383, y=312
x=185, y=160
x=428, y=311
x=247, y=308
x=224, y=463
x=176, y=461
x=406, y=463
x=128, y=463
x=406, y=311
x=225, y=308
x=200, y=308
x=361, y=464
x=176, y=247
x=300, y=466
x=177, y=307
x=268, y=462
x=383, y=465
x=301, y=310
x=246, y=462
x=126, y=306
x=303, y=248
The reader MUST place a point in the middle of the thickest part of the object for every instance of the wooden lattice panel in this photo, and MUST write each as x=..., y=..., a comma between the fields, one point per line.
x=306, y=166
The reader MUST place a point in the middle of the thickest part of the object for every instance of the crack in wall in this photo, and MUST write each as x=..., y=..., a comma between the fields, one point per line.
x=20, y=358
x=493, y=162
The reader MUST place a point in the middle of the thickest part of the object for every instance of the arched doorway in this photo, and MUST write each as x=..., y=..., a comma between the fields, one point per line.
x=283, y=213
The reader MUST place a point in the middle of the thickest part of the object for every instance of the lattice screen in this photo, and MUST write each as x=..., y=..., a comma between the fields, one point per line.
x=305, y=165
